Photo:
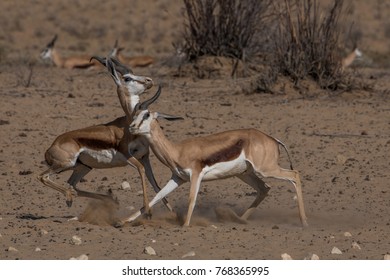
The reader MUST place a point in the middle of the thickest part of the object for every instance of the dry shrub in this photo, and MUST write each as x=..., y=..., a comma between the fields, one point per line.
x=228, y=28
x=307, y=42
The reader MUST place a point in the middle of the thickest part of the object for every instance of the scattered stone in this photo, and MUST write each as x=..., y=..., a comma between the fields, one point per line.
x=347, y=234
x=149, y=251
x=341, y=159
x=356, y=246
x=76, y=240
x=73, y=219
x=214, y=226
x=386, y=257
x=336, y=251
x=12, y=249
x=43, y=232
x=38, y=249
x=312, y=257
x=154, y=241
x=176, y=244
x=189, y=254
x=131, y=208
x=82, y=257
x=286, y=256
x=125, y=185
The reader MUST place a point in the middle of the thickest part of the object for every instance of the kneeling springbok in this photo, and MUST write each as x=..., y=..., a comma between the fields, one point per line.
x=71, y=62
x=103, y=146
x=132, y=61
x=241, y=153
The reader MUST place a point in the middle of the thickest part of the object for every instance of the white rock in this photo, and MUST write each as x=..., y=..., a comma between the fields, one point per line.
x=347, y=234
x=131, y=208
x=336, y=251
x=176, y=244
x=154, y=240
x=12, y=249
x=38, y=249
x=356, y=246
x=286, y=256
x=214, y=226
x=312, y=257
x=150, y=251
x=386, y=257
x=43, y=232
x=73, y=219
x=81, y=257
x=125, y=185
x=76, y=240
x=189, y=254
x=341, y=159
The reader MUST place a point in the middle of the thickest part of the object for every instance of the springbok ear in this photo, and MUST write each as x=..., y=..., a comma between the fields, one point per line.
x=168, y=117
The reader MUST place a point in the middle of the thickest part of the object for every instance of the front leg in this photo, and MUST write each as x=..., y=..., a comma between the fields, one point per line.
x=141, y=170
x=196, y=178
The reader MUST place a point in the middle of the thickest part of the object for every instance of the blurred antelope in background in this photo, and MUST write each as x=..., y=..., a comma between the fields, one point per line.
x=132, y=61
x=243, y=153
x=70, y=62
x=350, y=58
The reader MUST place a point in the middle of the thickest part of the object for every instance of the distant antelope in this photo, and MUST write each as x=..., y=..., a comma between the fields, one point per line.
x=81, y=61
x=350, y=58
x=132, y=61
x=241, y=153
x=103, y=146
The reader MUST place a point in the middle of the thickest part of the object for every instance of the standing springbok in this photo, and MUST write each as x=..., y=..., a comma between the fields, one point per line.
x=103, y=146
x=132, y=61
x=241, y=153
x=71, y=62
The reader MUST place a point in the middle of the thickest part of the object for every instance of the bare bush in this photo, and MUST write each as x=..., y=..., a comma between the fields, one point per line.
x=228, y=28
x=307, y=42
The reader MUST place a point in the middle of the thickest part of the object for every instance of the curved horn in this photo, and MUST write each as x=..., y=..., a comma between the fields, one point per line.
x=102, y=60
x=123, y=69
x=52, y=42
x=144, y=105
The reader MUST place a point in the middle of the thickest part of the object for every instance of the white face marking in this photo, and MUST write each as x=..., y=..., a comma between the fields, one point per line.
x=141, y=123
x=102, y=158
x=46, y=53
x=137, y=84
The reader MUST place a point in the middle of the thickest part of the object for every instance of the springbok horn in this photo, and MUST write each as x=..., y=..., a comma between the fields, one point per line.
x=52, y=42
x=121, y=68
x=144, y=105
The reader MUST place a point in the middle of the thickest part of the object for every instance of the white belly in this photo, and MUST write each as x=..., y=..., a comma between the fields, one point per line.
x=225, y=169
x=102, y=158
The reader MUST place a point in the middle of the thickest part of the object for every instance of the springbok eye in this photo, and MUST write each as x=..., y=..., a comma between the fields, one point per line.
x=146, y=116
x=127, y=79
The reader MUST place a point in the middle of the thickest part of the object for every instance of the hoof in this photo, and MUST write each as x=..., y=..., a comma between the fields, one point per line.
x=69, y=203
x=119, y=224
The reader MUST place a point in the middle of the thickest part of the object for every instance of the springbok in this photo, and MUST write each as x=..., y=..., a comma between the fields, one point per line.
x=241, y=153
x=103, y=146
x=132, y=61
x=350, y=58
x=71, y=62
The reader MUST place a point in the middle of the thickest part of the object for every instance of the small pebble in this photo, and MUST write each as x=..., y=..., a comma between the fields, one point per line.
x=189, y=254
x=12, y=249
x=76, y=240
x=38, y=249
x=356, y=246
x=336, y=251
x=81, y=257
x=347, y=234
x=149, y=251
x=43, y=232
x=286, y=256
x=125, y=185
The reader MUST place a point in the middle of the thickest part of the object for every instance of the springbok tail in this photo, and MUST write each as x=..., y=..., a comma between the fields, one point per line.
x=288, y=154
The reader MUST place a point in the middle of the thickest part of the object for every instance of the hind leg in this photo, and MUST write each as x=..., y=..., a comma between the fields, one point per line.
x=294, y=178
x=259, y=185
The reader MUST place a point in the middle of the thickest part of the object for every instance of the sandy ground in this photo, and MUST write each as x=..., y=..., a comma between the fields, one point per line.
x=338, y=142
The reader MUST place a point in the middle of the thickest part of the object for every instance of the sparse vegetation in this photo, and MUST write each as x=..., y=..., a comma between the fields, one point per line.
x=227, y=28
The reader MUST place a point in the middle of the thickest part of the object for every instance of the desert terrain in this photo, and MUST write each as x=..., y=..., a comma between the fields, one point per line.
x=339, y=142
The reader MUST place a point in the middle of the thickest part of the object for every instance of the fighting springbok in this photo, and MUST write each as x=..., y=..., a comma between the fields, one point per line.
x=81, y=61
x=132, y=61
x=241, y=153
x=103, y=146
